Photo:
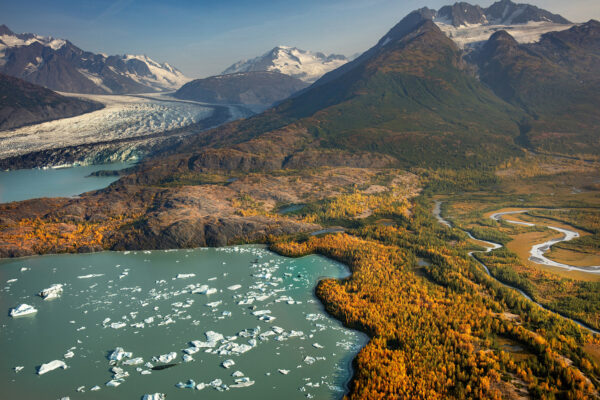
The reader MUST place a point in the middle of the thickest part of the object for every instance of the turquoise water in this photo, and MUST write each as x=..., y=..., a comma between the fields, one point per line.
x=108, y=301
x=26, y=184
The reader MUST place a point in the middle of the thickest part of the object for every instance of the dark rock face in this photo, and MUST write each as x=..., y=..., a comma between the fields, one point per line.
x=209, y=231
x=249, y=88
x=462, y=14
x=22, y=103
x=506, y=12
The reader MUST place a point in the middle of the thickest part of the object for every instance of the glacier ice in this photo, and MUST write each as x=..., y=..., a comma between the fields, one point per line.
x=51, y=366
x=52, y=292
x=23, y=309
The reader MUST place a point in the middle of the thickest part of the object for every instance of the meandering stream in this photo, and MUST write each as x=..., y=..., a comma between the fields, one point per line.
x=537, y=252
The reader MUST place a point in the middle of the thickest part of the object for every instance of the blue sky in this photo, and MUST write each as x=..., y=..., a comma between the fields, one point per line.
x=204, y=37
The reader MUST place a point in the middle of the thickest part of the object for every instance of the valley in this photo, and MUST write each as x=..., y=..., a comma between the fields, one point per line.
x=127, y=128
x=452, y=168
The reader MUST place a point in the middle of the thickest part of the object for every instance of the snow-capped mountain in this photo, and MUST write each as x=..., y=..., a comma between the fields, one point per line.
x=469, y=25
x=301, y=64
x=59, y=65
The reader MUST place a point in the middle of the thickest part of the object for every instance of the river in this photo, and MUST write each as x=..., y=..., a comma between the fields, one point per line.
x=151, y=303
x=537, y=251
x=26, y=184
x=493, y=246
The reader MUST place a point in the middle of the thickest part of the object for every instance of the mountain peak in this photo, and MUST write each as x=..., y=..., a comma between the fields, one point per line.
x=505, y=12
x=461, y=14
x=4, y=30
x=302, y=64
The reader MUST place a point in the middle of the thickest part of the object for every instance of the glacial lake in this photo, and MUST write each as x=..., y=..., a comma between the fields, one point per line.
x=24, y=184
x=151, y=303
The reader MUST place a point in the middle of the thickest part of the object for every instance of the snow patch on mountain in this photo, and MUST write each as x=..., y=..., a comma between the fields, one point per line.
x=302, y=64
x=466, y=36
x=164, y=75
x=100, y=69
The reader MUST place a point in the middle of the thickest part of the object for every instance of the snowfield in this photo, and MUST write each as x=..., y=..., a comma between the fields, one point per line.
x=122, y=117
x=473, y=35
x=304, y=65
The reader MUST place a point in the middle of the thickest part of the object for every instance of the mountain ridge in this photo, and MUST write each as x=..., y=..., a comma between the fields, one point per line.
x=60, y=65
x=258, y=89
x=301, y=64
x=23, y=103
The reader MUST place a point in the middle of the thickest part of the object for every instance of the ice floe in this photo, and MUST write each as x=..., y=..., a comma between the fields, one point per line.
x=190, y=384
x=155, y=396
x=134, y=361
x=228, y=364
x=119, y=353
x=89, y=276
x=51, y=366
x=165, y=358
x=21, y=310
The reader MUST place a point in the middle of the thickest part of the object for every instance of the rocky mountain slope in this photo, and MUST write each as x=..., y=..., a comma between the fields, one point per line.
x=23, y=103
x=413, y=99
x=300, y=64
x=258, y=90
x=60, y=65
x=556, y=81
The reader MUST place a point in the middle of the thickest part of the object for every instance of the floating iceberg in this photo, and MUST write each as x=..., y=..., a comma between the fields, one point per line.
x=191, y=350
x=155, y=396
x=216, y=383
x=317, y=346
x=187, y=358
x=118, y=325
x=18, y=368
x=190, y=384
x=228, y=364
x=51, y=366
x=214, y=304
x=95, y=388
x=185, y=276
x=166, y=358
x=69, y=354
x=114, y=382
x=119, y=373
x=234, y=287
x=242, y=383
x=134, y=361
x=212, y=339
x=284, y=371
x=89, y=276
x=237, y=374
x=309, y=360
x=118, y=354
x=23, y=309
